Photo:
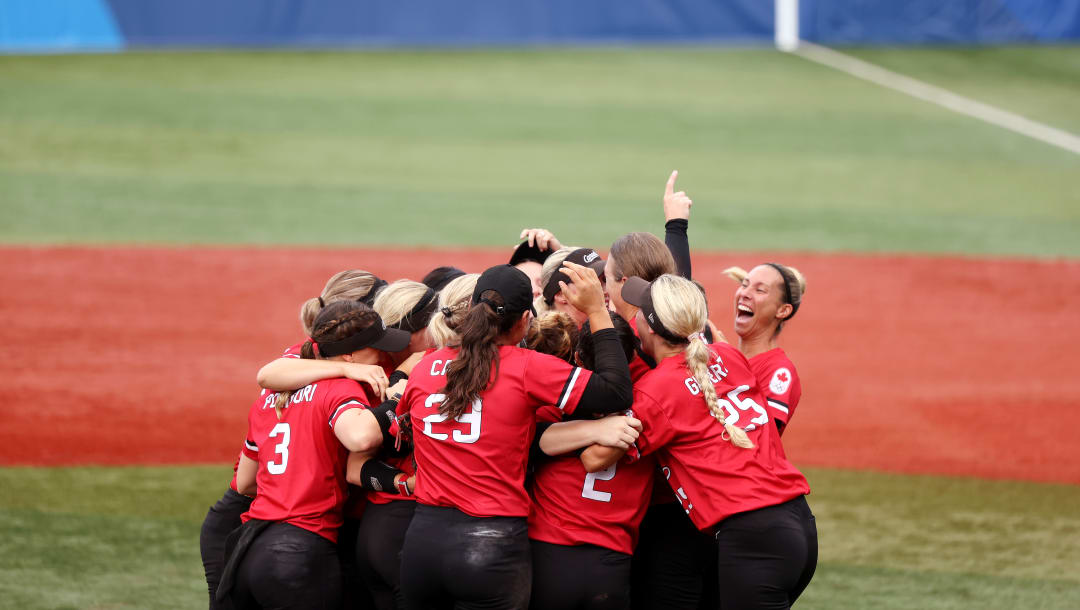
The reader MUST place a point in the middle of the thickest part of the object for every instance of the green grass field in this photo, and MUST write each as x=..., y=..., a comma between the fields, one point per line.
x=464, y=147
x=127, y=538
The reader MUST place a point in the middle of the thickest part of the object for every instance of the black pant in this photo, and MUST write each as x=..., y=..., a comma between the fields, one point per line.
x=766, y=556
x=378, y=550
x=287, y=567
x=674, y=566
x=453, y=560
x=354, y=591
x=581, y=577
x=222, y=518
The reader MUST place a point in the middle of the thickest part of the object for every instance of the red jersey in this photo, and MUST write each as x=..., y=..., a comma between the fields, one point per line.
x=357, y=500
x=476, y=462
x=250, y=450
x=712, y=478
x=301, y=476
x=572, y=507
x=779, y=382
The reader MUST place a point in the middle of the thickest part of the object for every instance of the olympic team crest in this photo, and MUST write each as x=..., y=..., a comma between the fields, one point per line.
x=781, y=381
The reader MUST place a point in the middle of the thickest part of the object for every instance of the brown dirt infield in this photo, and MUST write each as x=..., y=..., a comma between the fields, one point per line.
x=909, y=364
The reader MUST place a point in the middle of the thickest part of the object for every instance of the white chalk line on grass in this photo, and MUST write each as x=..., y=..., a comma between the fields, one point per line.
x=936, y=95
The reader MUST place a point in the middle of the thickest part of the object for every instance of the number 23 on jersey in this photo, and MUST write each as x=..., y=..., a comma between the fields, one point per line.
x=471, y=417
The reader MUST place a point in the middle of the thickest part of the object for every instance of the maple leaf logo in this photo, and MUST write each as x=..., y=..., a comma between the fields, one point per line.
x=782, y=376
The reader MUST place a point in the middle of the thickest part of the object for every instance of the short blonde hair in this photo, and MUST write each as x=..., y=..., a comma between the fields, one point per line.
x=454, y=300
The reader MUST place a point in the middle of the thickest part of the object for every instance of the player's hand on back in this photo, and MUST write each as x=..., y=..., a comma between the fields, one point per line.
x=676, y=204
x=619, y=431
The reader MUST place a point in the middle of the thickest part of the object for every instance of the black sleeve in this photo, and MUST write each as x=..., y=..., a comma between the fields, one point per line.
x=535, y=452
x=397, y=376
x=678, y=244
x=384, y=414
x=609, y=389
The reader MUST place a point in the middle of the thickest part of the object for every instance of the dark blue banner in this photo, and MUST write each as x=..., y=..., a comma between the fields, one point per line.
x=74, y=25
x=437, y=22
x=840, y=22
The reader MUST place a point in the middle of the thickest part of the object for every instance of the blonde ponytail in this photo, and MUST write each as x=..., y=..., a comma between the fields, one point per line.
x=454, y=301
x=736, y=273
x=680, y=306
x=697, y=357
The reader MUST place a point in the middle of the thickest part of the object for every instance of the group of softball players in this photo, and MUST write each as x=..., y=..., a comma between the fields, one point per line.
x=559, y=432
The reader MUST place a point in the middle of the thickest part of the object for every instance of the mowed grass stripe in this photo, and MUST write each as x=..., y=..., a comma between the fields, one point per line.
x=128, y=537
x=114, y=148
x=996, y=75
x=179, y=210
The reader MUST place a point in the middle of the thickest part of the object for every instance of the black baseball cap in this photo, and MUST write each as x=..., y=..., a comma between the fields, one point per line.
x=513, y=286
x=638, y=293
x=376, y=335
x=525, y=253
x=586, y=257
x=439, y=277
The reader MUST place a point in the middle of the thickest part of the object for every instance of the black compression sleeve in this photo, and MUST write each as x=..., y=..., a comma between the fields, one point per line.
x=378, y=476
x=397, y=376
x=678, y=244
x=609, y=389
x=384, y=414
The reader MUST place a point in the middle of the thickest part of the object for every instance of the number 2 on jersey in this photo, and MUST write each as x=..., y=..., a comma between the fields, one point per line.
x=472, y=417
x=282, y=448
x=590, y=480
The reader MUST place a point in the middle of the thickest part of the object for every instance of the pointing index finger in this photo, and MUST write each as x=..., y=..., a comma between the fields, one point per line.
x=670, y=188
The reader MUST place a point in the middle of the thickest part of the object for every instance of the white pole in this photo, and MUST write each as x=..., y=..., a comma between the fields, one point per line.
x=787, y=25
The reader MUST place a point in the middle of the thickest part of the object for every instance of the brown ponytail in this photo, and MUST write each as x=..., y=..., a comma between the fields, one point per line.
x=471, y=371
x=553, y=333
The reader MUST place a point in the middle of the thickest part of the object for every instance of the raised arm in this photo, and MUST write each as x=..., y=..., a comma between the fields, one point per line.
x=676, y=220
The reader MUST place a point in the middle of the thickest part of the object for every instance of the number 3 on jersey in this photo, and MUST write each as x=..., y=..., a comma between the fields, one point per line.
x=471, y=417
x=281, y=428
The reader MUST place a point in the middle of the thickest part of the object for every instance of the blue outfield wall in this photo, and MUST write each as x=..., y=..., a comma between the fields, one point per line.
x=88, y=25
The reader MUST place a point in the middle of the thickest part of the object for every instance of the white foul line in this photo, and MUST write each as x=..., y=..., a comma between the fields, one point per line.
x=939, y=96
